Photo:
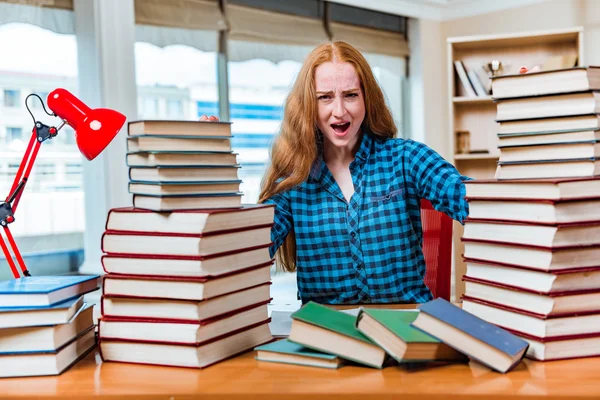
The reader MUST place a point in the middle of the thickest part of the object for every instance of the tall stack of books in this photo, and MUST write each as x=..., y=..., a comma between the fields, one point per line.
x=176, y=165
x=532, y=239
x=45, y=327
x=187, y=283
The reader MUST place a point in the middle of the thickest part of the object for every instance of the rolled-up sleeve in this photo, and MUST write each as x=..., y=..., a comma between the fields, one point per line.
x=438, y=181
x=283, y=221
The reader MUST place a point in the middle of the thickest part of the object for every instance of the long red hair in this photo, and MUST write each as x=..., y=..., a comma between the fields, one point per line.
x=295, y=150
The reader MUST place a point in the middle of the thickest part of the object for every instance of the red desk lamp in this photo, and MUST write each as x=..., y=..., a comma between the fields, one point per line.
x=94, y=130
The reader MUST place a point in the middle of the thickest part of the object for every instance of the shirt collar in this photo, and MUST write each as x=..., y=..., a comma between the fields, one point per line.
x=361, y=155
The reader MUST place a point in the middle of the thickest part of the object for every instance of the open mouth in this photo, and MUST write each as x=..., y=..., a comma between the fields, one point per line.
x=341, y=128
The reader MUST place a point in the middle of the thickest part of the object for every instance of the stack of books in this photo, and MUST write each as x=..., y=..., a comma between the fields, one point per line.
x=45, y=326
x=186, y=288
x=532, y=243
x=176, y=165
x=438, y=332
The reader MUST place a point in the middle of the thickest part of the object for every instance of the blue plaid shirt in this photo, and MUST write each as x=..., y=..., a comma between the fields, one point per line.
x=367, y=250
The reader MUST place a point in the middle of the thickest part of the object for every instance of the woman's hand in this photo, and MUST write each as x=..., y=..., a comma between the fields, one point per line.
x=525, y=70
x=212, y=118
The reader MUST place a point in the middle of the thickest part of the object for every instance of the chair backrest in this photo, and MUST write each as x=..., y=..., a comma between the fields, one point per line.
x=437, y=249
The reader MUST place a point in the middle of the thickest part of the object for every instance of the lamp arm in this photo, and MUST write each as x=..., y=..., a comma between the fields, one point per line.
x=39, y=134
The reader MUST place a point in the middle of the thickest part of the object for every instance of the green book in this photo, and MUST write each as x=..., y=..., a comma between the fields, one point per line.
x=323, y=329
x=392, y=331
x=284, y=351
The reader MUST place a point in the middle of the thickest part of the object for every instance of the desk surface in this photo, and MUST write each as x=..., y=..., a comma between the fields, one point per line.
x=244, y=377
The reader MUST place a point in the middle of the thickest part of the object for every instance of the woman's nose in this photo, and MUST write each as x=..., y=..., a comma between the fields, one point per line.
x=339, y=109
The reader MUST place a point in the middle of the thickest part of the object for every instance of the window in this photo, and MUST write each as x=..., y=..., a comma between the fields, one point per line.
x=171, y=78
x=13, y=134
x=174, y=109
x=12, y=98
x=45, y=210
x=150, y=108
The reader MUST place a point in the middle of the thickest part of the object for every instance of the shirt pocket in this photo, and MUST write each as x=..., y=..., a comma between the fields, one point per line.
x=390, y=196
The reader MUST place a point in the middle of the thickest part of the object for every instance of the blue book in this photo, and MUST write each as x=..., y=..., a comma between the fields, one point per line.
x=286, y=352
x=36, y=291
x=472, y=336
x=59, y=313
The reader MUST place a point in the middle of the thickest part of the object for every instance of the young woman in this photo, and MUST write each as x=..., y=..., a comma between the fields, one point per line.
x=347, y=192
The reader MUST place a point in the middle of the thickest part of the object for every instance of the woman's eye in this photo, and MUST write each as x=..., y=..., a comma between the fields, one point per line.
x=323, y=97
x=352, y=95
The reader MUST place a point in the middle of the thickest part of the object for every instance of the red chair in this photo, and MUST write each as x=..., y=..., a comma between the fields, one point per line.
x=437, y=249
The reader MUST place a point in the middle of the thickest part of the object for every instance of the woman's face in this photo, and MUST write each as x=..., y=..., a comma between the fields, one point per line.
x=341, y=105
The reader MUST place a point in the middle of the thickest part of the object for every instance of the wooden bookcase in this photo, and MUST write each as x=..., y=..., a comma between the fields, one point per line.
x=478, y=114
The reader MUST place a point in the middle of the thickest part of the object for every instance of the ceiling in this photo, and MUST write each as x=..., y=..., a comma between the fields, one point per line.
x=439, y=10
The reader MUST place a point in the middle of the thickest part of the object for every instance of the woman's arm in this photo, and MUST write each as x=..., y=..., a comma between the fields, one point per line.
x=283, y=221
x=437, y=180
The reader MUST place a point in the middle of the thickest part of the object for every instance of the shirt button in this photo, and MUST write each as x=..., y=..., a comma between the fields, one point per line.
x=353, y=234
x=359, y=266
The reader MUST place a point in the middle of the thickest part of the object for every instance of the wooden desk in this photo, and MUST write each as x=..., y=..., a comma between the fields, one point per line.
x=243, y=377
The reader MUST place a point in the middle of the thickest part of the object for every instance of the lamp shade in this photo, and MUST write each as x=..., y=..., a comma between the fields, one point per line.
x=94, y=128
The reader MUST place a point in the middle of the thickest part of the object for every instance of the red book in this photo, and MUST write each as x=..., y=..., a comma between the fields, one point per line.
x=534, y=257
x=532, y=233
x=185, y=244
x=171, y=331
x=190, y=356
x=192, y=266
x=543, y=304
x=537, y=281
x=549, y=189
x=190, y=221
x=184, y=288
x=148, y=308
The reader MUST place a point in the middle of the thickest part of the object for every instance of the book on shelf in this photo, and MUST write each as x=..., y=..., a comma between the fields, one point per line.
x=541, y=189
x=526, y=323
x=532, y=233
x=179, y=128
x=465, y=83
x=50, y=362
x=550, y=151
x=550, y=349
x=39, y=291
x=392, y=331
x=191, y=356
x=37, y=339
x=59, y=313
x=527, y=127
x=199, y=266
x=536, y=210
x=547, y=138
x=187, y=202
x=180, y=158
x=286, y=352
x=185, y=244
x=476, y=83
x=177, y=143
x=177, y=188
x=548, y=106
x=183, y=174
x=184, y=288
x=550, y=259
x=173, y=331
x=570, y=168
x=331, y=331
x=137, y=307
x=470, y=335
x=541, y=304
x=568, y=80
x=532, y=280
